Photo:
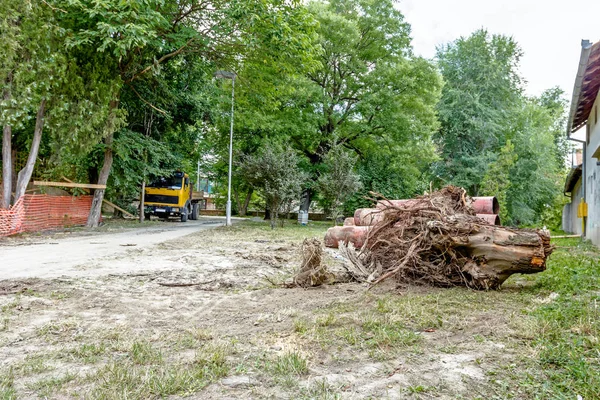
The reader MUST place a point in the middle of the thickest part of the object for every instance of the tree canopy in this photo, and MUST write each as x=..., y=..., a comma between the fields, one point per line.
x=329, y=93
x=493, y=139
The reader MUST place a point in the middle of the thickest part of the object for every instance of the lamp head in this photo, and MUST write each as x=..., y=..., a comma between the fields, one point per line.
x=225, y=75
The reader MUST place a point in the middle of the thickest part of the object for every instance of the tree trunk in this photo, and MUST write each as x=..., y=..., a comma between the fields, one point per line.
x=305, y=200
x=96, y=209
x=236, y=197
x=491, y=253
x=243, y=210
x=25, y=174
x=497, y=252
x=13, y=171
x=6, y=166
x=7, y=154
x=142, y=195
x=273, y=214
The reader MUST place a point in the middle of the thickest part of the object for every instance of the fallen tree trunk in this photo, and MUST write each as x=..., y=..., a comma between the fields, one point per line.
x=438, y=239
x=483, y=256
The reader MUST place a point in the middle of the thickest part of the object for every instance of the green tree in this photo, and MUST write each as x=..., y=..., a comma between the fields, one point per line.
x=493, y=139
x=337, y=180
x=44, y=89
x=139, y=38
x=481, y=93
x=496, y=181
x=274, y=172
x=536, y=178
x=368, y=93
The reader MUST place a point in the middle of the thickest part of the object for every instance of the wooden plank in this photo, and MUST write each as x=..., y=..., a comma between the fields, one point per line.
x=70, y=181
x=70, y=185
x=119, y=208
x=565, y=236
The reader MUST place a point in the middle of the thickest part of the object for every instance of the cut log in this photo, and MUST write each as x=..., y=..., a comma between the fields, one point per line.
x=486, y=205
x=492, y=219
x=367, y=216
x=346, y=234
x=349, y=221
x=493, y=253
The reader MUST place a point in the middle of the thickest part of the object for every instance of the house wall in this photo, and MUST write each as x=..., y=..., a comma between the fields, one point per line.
x=593, y=175
x=570, y=222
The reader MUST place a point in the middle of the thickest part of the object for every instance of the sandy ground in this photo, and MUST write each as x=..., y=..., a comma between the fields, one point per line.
x=99, y=291
x=91, y=254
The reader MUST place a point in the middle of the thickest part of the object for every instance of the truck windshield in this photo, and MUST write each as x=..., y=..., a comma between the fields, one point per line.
x=168, y=183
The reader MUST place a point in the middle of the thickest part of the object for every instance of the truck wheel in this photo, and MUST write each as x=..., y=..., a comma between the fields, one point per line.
x=147, y=216
x=195, y=210
x=184, y=214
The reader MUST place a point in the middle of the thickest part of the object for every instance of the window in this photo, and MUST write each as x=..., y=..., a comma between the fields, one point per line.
x=172, y=182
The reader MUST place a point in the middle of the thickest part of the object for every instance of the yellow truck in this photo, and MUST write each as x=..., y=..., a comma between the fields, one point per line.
x=172, y=196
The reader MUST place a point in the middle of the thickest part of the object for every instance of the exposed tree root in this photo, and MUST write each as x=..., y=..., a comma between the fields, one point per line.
x=312, y=272
x=437, y=239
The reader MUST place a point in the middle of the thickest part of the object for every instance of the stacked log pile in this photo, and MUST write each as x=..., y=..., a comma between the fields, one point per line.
x=444, y=238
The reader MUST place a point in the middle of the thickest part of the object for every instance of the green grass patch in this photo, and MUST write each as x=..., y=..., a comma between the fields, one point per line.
x=262, y=230
x=7, y=386
x=192, y=338
x=156, y=379
x=564, y=334
x=33, y=364
x=88, y=353
x=289, y=364
x=57, y=329
x=143, y=353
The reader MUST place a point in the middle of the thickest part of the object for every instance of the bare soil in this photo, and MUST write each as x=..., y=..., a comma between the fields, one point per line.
x=180, y=290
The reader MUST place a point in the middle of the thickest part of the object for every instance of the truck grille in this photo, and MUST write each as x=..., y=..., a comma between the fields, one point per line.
x=160, y=198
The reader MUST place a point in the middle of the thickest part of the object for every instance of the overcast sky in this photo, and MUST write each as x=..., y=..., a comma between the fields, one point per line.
x=549, y=32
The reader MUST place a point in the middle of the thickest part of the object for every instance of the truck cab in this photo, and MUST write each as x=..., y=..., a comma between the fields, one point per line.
x=170, y=196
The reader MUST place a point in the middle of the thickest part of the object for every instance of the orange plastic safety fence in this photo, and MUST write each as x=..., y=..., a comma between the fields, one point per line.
x=35, y=212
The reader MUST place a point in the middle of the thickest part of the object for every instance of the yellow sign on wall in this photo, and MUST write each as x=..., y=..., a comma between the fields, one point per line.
x=582, y=210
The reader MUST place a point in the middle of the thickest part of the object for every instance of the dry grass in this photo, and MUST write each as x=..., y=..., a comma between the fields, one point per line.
x=127, y=337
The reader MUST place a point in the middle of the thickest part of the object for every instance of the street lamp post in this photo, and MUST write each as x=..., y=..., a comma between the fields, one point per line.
x=229, y=75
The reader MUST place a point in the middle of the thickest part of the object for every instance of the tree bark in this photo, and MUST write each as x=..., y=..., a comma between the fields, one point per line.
x=6, y=156
x=6, y=166
x=96, y=209
x=142, y=195
x=243, y=210
x=497, y=252
x=236, y=197
x=25, y=174
x=305, y=200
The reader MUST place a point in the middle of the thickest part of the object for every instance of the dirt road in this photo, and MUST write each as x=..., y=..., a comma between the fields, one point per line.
x=93, y=254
